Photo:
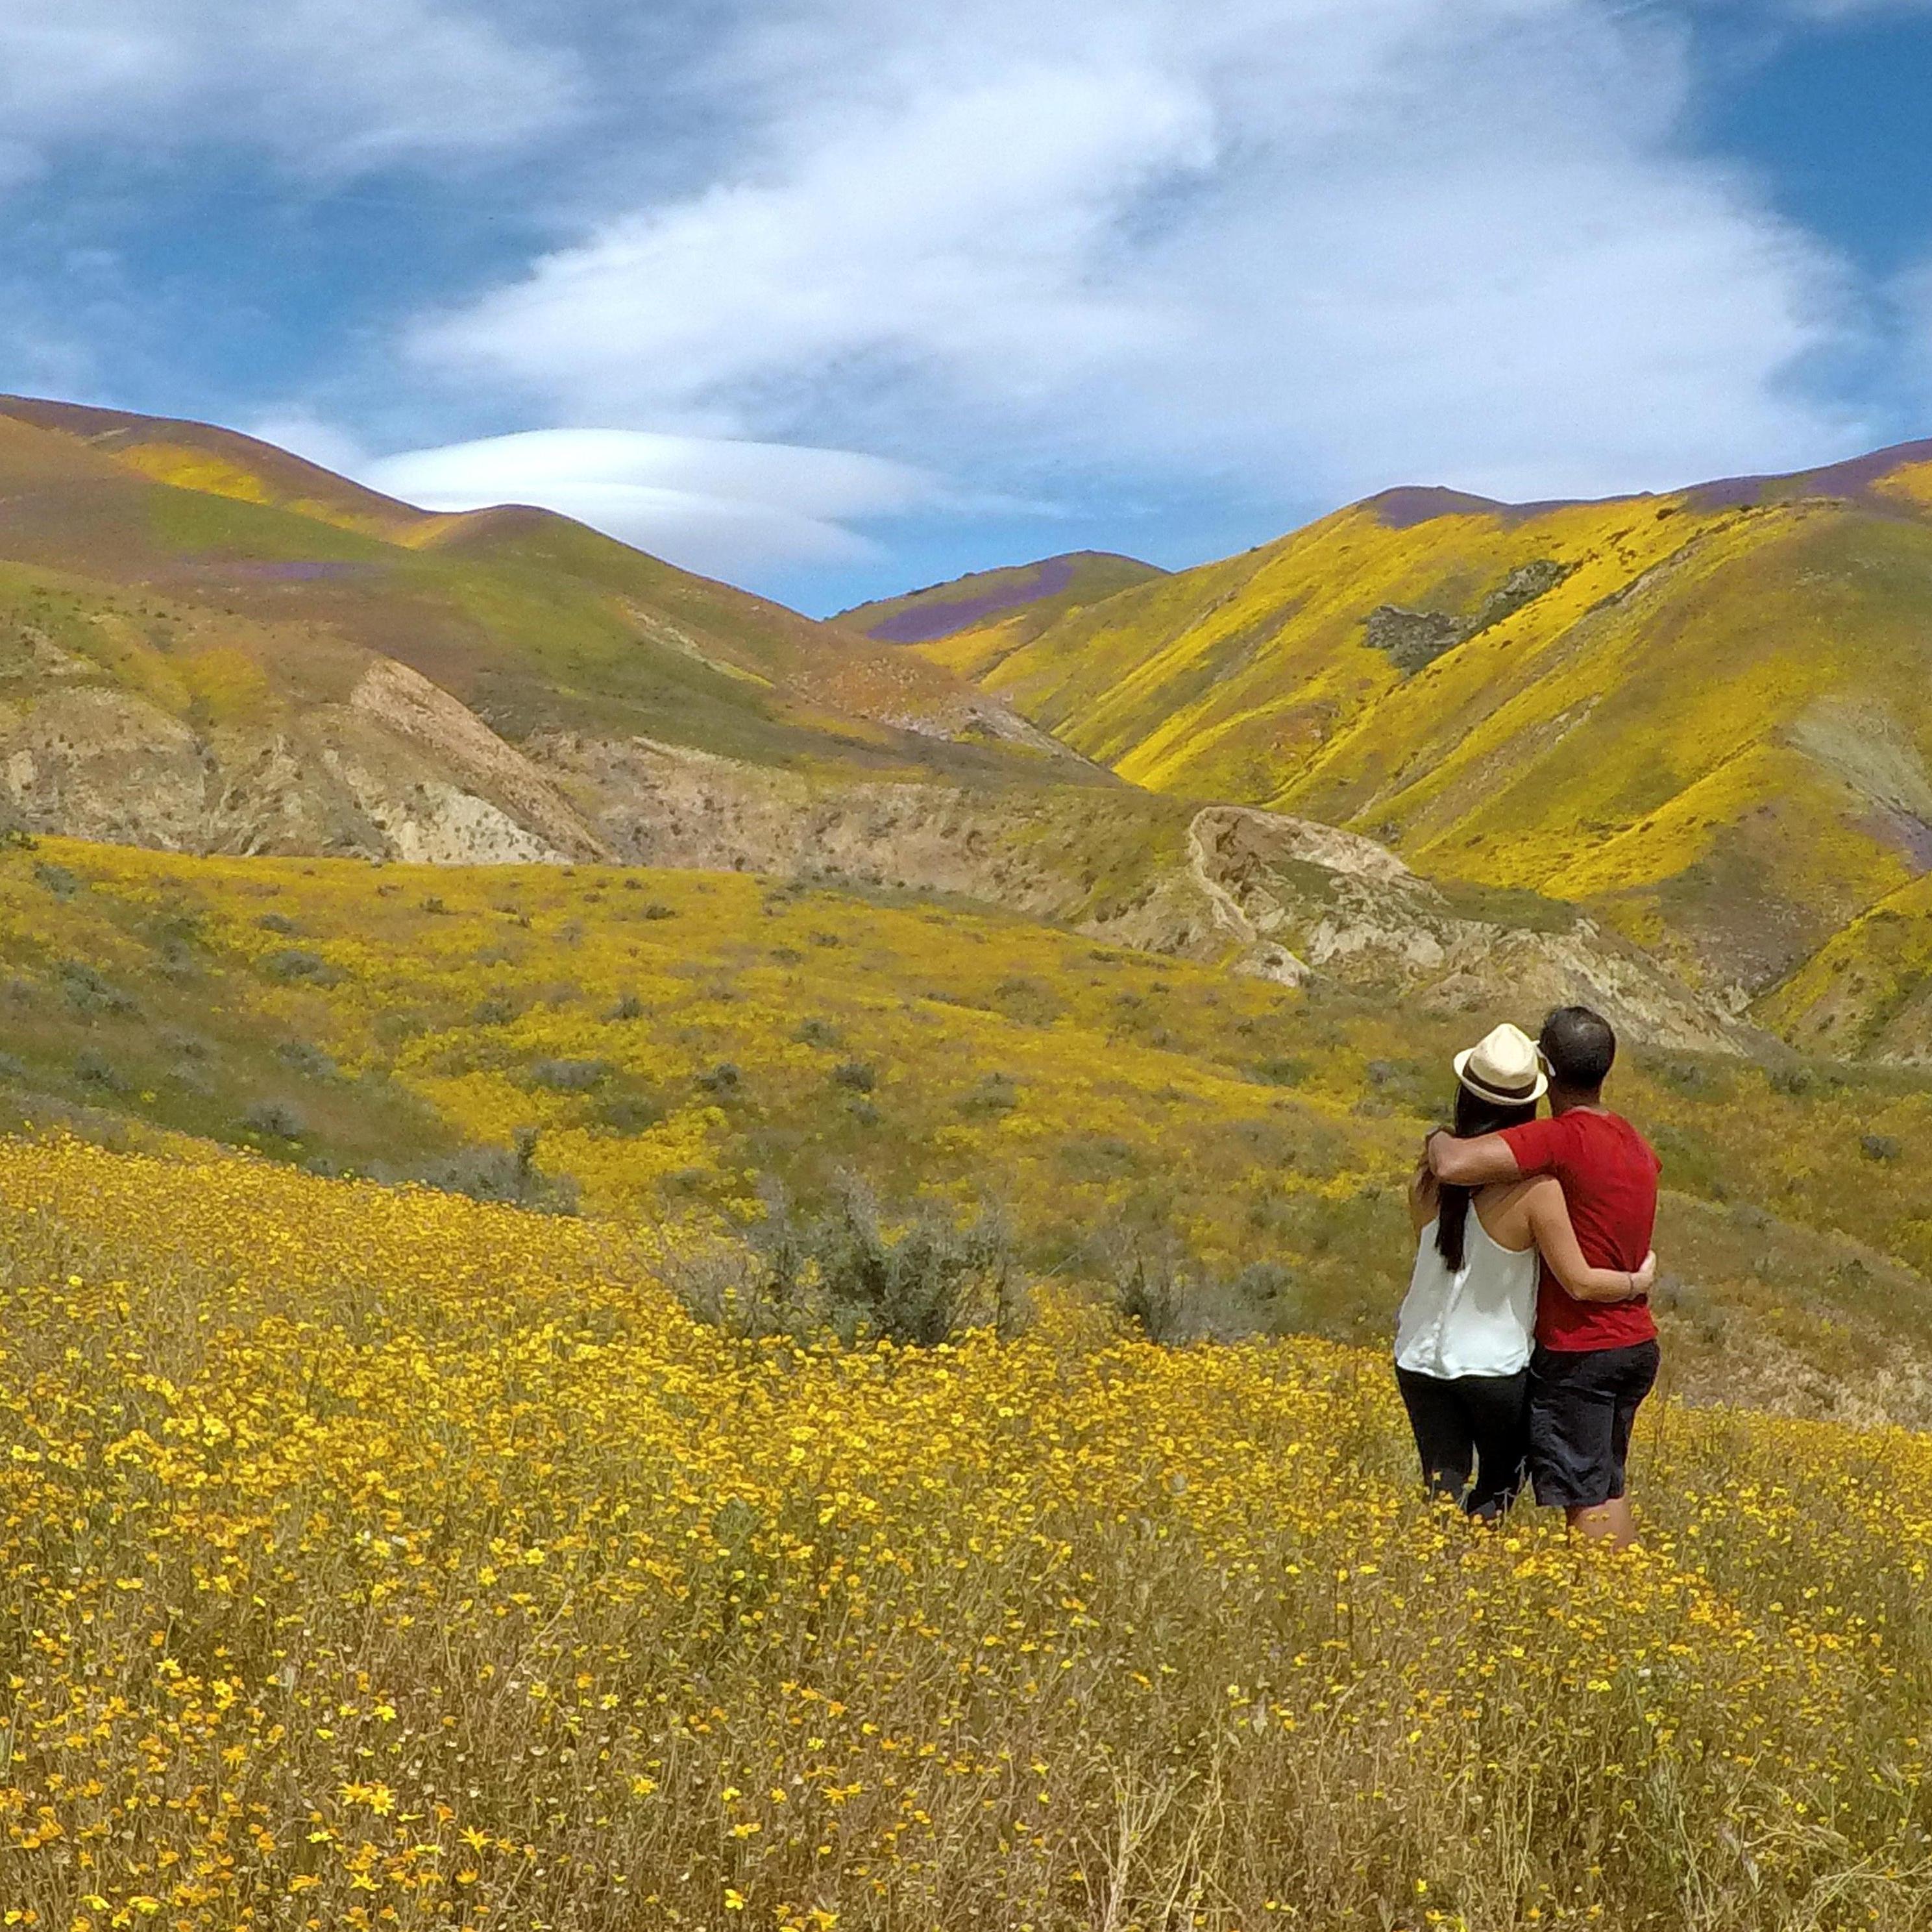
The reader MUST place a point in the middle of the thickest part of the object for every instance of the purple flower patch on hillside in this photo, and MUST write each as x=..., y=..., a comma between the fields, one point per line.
x=1403, y=509
x=920, y=622
x=251, y=571
x=1852, y=478
x=1910, y=836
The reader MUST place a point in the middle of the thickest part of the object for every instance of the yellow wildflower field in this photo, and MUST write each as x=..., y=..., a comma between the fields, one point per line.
x=377, y=1558
x=680, y=1043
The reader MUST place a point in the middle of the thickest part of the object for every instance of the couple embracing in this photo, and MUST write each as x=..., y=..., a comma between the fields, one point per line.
x=1525, y=1342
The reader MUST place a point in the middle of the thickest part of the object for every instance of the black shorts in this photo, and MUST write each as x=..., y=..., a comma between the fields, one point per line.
x=1582, y=1403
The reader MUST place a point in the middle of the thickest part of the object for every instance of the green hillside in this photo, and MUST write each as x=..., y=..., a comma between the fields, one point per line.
x=167, y=556
x=1706, y=716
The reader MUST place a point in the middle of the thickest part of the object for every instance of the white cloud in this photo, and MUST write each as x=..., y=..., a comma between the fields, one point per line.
x=721, y=507
x=304, y=433
x=332, y=86
x=1309, y=245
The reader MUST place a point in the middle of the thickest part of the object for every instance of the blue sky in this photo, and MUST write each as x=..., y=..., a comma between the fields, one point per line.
x=832, y=297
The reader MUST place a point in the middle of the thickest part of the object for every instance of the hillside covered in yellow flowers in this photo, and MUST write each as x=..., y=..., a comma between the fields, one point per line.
x=664, y=1268
x=1704, y=715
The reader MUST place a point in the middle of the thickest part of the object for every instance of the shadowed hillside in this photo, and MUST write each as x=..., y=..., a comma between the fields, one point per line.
x=1705, y=716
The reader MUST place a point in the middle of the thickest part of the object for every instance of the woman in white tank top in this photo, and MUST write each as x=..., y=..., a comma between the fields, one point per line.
x=1464, y=1334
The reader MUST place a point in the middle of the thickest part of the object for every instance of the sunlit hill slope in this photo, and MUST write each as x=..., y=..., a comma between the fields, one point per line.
x=207, y=642
x=1012, y=605
x=1707, y=716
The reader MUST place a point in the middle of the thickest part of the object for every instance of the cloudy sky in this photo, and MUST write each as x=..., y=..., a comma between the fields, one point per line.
x=830, y=297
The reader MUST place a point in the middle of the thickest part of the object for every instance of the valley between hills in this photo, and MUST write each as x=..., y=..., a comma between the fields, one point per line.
x=1430, y=760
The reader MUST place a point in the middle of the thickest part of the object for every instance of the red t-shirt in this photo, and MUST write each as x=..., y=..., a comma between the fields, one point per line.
x=1609, y=1174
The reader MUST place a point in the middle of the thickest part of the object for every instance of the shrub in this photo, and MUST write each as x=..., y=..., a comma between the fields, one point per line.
x=496, y=1010
x=842, y=1271
x=57, y=879
x=305, y=1058
x=724, y=1077
x=1881, y=1147
x=509, y=1175
x=94, y=1069
x=816, y=1032
x=633, y=1113
x=657, y=909
x=991, y=1094
x=276, y=922
x=296, y=963
x=1097, y=1157
x=628, y=1007
x=1283, y=1072
x=1150, y=1296
x=88, y=992
x=1689, y=1077
x=1172, y=1301
x=569, y=1076
x=275, y=1119
x=858, y=1076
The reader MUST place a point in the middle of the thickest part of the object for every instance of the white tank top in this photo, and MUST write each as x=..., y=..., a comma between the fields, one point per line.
x=1479, y=1320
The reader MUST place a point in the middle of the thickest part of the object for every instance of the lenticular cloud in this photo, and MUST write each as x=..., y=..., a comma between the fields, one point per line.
x=705, y=503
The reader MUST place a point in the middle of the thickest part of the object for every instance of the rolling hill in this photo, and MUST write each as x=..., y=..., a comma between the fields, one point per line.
x=665, y=1048
x=1705, y=717
x=1014, y=605
x=208, y=643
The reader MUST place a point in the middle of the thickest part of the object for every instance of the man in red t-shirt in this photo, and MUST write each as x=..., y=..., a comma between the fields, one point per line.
x=1595, y=1361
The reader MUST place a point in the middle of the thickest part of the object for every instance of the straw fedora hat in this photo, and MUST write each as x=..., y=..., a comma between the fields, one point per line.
x=1505, y=1066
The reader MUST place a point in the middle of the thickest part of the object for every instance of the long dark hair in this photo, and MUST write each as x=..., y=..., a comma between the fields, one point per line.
x=1474, y=1117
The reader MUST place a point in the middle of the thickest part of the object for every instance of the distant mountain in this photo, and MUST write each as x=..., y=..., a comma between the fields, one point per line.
x=1705, y=716
x=207, y=642
x=1018, y=602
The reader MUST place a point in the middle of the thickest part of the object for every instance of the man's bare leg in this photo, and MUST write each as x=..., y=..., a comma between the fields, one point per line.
x=1611, y=1523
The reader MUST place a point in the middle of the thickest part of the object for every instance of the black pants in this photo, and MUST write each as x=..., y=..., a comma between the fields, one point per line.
x=1474, y=1423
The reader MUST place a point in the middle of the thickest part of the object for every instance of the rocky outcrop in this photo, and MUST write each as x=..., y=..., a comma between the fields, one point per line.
x=1335, y=903
x=1414, y=640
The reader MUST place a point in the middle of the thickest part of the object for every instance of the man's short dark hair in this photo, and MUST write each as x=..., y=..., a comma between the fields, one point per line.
x=1581, y=1047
